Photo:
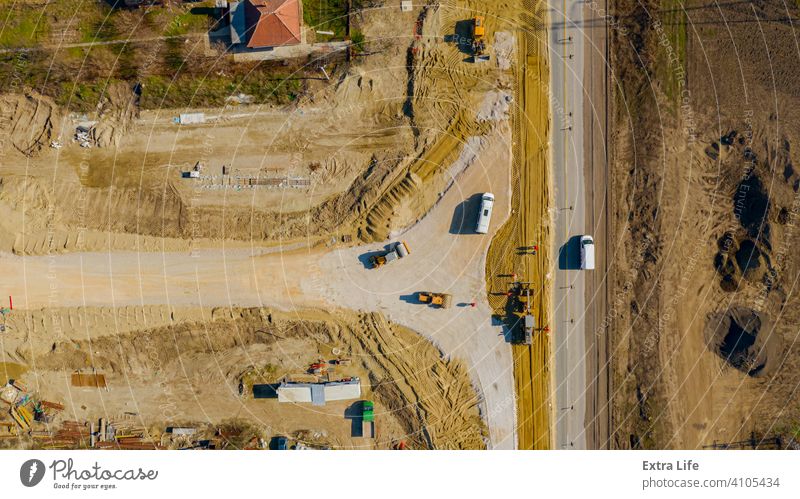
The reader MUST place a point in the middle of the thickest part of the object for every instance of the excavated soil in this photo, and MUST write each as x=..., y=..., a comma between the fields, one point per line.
x=739, y=336
x=188, y=365
x=28, y=122
x=706, y=203
x=411, y=107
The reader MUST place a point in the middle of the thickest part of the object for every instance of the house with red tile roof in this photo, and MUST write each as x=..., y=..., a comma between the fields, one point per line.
x=272, y=23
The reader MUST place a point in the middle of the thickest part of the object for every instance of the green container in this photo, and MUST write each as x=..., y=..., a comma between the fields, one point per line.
x=368, y=415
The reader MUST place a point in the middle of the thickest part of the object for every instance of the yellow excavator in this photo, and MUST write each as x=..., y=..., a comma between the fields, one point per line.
x=441, y=300
x=479, y=40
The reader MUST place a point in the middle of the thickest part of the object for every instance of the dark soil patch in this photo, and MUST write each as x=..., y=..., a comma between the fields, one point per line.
x=740, y=337
x=748, y=256
x=729, y=284
x=751, y=206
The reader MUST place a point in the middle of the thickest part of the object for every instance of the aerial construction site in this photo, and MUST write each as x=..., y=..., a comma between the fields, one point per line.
x=371, y=224
x=206, y=244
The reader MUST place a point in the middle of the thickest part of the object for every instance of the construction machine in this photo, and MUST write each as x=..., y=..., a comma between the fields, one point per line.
x=399, y=250
x=479, y=39
x=440, y=300
x=525, y=317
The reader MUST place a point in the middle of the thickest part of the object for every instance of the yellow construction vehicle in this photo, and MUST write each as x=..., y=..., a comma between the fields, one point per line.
x=441, y=300
x=399, y=250
x=478, y=40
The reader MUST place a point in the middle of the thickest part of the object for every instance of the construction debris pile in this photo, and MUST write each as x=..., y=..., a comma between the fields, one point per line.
x=122, y=433
x=30, y=415
x=83, y=135
x=35, y=418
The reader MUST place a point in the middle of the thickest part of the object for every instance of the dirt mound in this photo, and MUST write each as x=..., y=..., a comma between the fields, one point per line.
x=28, y=122
x=429, y=394
x=741, y=260
x=740, y=337
x=117, y=109
x=759, y=214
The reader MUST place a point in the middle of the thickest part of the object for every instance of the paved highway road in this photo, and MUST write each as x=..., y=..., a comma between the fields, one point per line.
x=566, y=74
x=595, y=119
x=578, y=107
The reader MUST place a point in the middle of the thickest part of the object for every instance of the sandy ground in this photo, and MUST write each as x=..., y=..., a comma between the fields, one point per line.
x=455, y=265
x=114, y=227
x=511, y=252
x=702, y=170
x=309, y=278
x=196, y=367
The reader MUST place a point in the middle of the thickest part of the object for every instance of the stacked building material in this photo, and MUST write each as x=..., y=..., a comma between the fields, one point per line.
x=71, y=435
x=125, y=434
x=8, y=429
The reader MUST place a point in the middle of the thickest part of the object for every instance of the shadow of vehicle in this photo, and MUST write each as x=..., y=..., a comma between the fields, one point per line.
x=354, y=412
x=413, y=299
x=511, y=319
x=266, y=391
x=569, y=254
x=465, y=215
x=508, y=324
x=462, y=36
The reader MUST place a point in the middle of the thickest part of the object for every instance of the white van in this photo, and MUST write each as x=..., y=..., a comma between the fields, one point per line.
x=487, y=201
x=587, y=253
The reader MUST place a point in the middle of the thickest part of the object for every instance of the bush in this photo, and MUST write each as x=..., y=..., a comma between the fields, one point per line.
x=357, y=38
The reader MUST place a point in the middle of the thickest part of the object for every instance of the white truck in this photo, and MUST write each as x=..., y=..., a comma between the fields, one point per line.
x=587, y=253
x=485, y=215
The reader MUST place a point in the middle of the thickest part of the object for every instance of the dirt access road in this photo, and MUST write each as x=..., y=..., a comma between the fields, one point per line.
x=511, y=257
x=446, y=256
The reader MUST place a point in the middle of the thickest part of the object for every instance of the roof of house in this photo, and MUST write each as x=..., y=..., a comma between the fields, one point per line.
x=238, y=25
x=278, y=23
x=319, y=393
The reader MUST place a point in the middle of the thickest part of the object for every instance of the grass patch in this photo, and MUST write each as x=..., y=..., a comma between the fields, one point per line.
x=358, y=38
x=23, y=27
x=187, y=91
x=671, y=61
x=26, y=25
x=82, y=97
x=326, y=15
x=95, y=24
x=76, y=77
x=192, y=20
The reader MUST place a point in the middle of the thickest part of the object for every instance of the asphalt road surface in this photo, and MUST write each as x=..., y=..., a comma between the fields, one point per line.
x=595, y=103
x=566, y=76
x=579, y=109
